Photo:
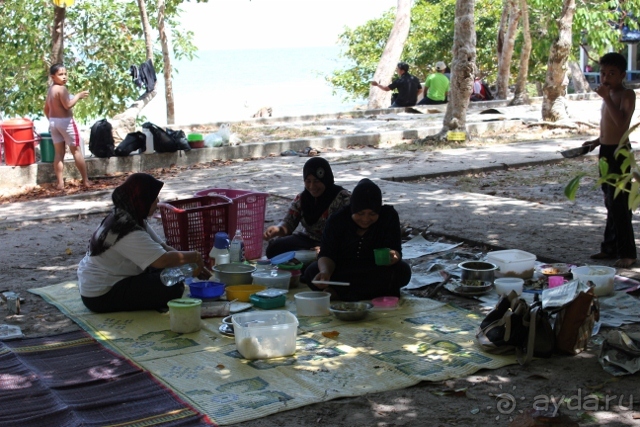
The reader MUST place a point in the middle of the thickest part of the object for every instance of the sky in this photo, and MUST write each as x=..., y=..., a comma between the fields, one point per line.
x=259, y=24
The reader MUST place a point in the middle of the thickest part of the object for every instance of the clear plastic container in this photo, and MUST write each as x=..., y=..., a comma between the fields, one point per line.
x=174, y=275
x=265, y=334
x=272, y=279
x=513, y=263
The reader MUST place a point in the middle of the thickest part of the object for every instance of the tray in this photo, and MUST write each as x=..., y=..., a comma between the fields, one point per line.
x=454, y=287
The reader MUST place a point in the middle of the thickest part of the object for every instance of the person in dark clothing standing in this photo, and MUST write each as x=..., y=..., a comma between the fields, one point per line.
x=408, y=87
x=347, y=249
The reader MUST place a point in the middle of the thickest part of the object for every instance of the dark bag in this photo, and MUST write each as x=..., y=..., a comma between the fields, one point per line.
x=101, y=142
x=514, y=326
x=132, y=142
x=488, y=96
x=574, y=322
x=167, y=141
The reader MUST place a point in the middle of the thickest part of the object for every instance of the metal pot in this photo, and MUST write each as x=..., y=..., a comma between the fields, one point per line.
x=234, y=274
x=478, y=270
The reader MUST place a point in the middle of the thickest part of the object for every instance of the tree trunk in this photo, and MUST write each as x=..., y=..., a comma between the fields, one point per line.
x=555, y=85
x=463, y=66
x=580, y=83
x=390, y=56
x=520, y=95
x=125, y=122
x=57, y=35
x=504, y=60
x=146, y=29
x=166, y=59
x=502, y=29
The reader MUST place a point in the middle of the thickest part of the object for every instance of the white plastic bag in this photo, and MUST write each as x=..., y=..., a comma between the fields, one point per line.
x=213, y=140
x=225, y=133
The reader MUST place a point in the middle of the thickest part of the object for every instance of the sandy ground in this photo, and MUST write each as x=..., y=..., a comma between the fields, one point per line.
x=45, y=253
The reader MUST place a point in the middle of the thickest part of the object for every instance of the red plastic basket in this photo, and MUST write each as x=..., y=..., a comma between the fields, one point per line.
x=246, y=213
x=191, y=224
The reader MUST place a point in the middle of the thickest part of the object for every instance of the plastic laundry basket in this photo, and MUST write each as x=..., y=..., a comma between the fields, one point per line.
x=246, y=214
x=191, y=224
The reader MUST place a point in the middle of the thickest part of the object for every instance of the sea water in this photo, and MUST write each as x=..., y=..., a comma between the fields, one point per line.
x=231, y=85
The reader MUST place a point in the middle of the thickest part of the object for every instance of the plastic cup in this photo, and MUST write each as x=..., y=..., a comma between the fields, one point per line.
x=555, y=281
x=383, y=256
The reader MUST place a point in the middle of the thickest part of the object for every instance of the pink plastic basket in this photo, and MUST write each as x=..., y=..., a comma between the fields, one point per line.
x=246, y=213
x=191, y=224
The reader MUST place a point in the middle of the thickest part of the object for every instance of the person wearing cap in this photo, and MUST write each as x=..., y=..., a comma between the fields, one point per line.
x=310, y=209
x=408, y=87
x=436, y=86
x=347, y=249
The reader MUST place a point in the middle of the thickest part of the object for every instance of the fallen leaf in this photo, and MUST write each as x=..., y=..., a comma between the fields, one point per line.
x=331, y=334
x=220, y=366
x=68, y=251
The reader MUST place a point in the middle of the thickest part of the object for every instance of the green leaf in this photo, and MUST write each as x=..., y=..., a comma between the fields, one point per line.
x=571, y=188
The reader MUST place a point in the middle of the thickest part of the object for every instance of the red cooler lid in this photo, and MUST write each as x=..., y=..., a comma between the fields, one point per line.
x=17, y=123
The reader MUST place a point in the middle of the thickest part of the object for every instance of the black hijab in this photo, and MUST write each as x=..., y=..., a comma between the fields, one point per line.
x=312, y=207
x=132, y=201
x=366, y=195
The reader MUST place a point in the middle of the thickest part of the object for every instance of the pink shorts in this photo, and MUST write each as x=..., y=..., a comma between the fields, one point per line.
x=64, y=129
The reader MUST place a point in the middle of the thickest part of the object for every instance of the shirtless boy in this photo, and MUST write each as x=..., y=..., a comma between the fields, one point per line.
x=618, y=105
x=63, y=128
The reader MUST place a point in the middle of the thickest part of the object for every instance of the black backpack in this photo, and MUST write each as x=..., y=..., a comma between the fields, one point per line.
x=167, y=141
x=101, y=142
x=132, y=142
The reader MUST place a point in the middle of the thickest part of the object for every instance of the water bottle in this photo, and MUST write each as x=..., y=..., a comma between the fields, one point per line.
x=173, y=275
x=236, y=250
x=220, y=251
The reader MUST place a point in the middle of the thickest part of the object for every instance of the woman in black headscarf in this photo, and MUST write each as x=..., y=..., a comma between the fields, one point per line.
x=121, y=270
x=311, y=208
x=347, y=250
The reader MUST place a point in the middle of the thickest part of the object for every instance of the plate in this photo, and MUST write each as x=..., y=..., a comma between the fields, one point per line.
x=226, y=330
x=455, y=288
x=557, y=269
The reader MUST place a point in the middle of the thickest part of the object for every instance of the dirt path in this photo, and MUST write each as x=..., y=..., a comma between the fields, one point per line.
x=44, y=253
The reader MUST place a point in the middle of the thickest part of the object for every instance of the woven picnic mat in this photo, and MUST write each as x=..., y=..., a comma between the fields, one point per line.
x=71, y=380
x=421, y=340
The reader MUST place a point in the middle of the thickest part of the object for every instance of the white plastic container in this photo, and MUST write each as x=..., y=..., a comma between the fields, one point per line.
x=513, y=263
x=312, y=303
x=504, y=285
x=149, y=147
x=184, y=315
x=279, y=279
x=600, y=275
x=265, y=334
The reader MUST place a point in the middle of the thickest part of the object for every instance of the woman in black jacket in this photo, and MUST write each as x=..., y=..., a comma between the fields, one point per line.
x=347, y=249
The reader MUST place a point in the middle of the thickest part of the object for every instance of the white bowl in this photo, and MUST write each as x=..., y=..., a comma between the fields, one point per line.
x=504, y=285
x=601, y=276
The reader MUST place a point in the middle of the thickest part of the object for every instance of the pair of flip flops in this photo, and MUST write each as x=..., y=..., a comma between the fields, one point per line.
x=307, y=152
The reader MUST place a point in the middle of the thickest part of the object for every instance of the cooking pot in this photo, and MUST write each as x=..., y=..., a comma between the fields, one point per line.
x=478, y=271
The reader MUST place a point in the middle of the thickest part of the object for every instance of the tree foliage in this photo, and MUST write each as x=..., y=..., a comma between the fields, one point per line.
x=103, y=38
x=596, y=24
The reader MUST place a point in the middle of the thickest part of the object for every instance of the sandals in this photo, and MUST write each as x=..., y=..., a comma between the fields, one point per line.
x=603, y=255
x=624, y=262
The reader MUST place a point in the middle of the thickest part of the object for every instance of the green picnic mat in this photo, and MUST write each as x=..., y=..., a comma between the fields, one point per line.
x=421, y=340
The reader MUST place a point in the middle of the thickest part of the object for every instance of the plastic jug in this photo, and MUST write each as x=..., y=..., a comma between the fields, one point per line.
x=220, y=251
x=149, y=137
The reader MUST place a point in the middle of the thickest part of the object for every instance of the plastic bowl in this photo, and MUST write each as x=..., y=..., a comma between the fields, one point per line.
x=504, y=285
x=243, y=292
x=312, y=303
x=350, y=310
x=206, y=289
x=385, y=303
x=601, y=276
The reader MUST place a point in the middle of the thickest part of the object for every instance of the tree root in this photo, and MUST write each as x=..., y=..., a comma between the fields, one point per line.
x=564, y=124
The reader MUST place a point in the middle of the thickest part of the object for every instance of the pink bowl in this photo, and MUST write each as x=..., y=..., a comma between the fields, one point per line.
x=385, y=302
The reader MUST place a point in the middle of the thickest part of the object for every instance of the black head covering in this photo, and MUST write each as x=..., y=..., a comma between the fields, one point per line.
x=132, y=201
x=366, y=195
x=312, y=207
